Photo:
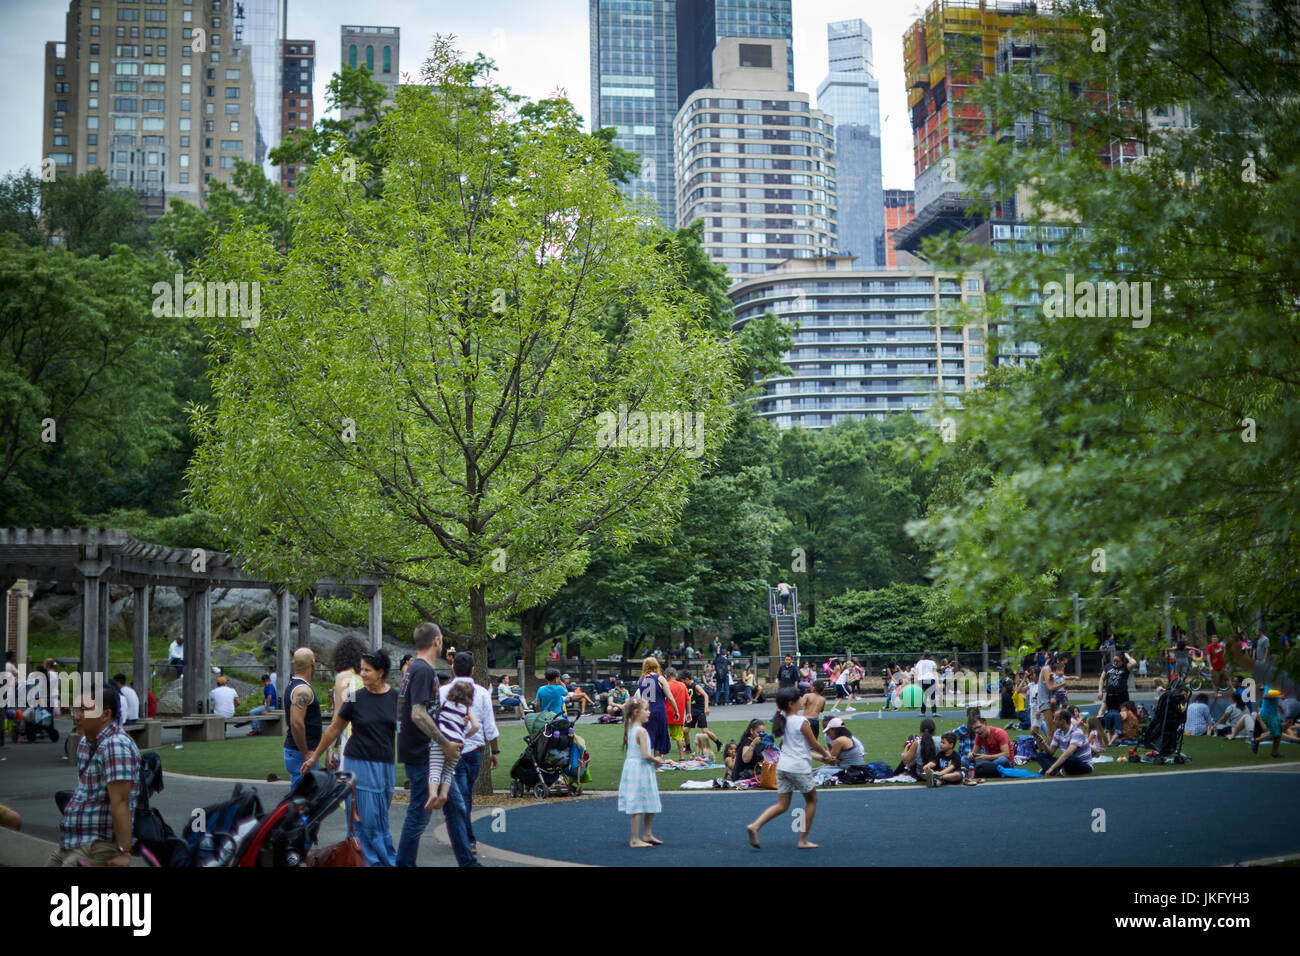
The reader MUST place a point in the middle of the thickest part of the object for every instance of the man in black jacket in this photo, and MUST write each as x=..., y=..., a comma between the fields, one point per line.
x=787, y=675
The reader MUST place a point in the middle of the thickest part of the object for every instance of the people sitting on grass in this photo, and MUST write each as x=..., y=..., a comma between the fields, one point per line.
x=1198, y=717
x=991, y=750
x=846, y=750
x=1129, y=731
x=1233, y=715
x=1068, y=752
x=1097, y=736
x=749, y=752
x=945, y=768
x=918, y=751
x=616, y=699
x=729, y=759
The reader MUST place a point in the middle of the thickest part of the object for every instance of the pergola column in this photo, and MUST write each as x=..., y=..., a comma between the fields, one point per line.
x=375, y=618
x=304, y=618
x=198, y=650
x=142, y=666
x=94, y=637
x=283, y=649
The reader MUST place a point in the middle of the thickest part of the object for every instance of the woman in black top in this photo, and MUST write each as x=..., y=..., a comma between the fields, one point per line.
x=370, y=754
x=749, y=752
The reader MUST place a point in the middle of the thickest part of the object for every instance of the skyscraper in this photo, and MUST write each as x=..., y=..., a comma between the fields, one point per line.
x=648, y=56
x=260, y=26
x=377, y=48
x=159, y=95
x=851, y=95
x=755, y=163
x=297, y=110
x=900, y=207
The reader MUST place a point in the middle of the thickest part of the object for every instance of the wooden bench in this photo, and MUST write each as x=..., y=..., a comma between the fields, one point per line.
x=147, y=734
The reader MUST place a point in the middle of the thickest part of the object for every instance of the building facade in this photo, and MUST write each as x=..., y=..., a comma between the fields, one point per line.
x=648, y=56
x=260, y=26
x=869, y=343
x=900, y=207
x=378, y=49
x=850, y=94
x=755, y=163
x=159, y=94
x=297, y=109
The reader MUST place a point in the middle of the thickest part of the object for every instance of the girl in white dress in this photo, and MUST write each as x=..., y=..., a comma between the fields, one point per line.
x=638, y=787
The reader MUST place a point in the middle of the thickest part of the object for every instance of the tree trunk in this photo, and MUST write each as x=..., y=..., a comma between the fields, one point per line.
x=532, y=629
x=479, y=648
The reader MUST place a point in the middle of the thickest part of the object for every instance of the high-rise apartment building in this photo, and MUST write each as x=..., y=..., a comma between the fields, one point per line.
x=755, y=162
x=297, y=110
x=260, y=26
x=376, y=48
x=850, y=94
x=648, y=56
x=159, y=94
x=870, y=342
x=900, y=207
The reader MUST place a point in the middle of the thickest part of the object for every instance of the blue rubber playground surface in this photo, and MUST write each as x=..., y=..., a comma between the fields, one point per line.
x=1197, y=818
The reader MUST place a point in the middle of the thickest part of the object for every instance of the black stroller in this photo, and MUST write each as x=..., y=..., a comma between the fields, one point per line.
x=1164, y=733
x=548, y=767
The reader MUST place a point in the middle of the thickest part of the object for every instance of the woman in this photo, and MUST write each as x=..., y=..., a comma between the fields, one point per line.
x=749, y=752
x=347, y=681
x=805, y=677
x=846, y=750
x=748, y=681
x=372, y=712
x=710, y=680
x=653, y=688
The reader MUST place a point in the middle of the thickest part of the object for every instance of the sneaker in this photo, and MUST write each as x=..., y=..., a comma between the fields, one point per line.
x=1254, y=745
x=930, y=779
x=473, y=850
x=253, y=733
x=850, y=710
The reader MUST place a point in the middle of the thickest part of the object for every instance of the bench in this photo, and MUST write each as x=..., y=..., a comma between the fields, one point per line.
x=147, y=734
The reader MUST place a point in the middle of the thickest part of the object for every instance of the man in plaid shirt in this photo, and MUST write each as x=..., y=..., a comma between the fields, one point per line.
x=96, y=825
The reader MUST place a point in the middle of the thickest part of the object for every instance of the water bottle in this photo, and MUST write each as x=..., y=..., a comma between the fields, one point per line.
x=970, y=772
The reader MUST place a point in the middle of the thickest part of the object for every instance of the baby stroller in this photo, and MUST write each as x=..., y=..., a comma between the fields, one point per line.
x=35, y=722
x=552, y=764
x=1164, y=734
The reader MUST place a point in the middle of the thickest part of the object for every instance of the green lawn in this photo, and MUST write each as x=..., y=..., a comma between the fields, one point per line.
x=255, y=757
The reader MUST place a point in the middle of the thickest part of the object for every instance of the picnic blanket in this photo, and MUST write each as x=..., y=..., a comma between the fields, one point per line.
x=1017, y=772
x=695, y=763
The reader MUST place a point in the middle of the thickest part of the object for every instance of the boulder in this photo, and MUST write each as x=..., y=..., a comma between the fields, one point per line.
x=169, y=701
x=227, y=656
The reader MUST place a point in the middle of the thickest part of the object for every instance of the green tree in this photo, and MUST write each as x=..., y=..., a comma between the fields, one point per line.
x=90, y=214
x=889, y=620
x=20, y=207
x=452, y=321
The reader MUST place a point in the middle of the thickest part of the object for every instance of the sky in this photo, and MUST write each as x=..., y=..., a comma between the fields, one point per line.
x=539, y=46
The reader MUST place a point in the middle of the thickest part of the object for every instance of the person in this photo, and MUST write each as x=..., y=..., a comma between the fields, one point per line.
x=729, y=759
x=1060, y=697
x=1262, y=669
x=406, y=660
x=459, y=809
x=926, y=672
x=10, y=818
x=417, y=733
x=918, y=751
x=794, y=769
x=554, y=653
x=1233, y=715
x=617, y=699
x=1180, y=650
x=1018, y=699
x=346, y=664
x=96, y=825
x=845, y=749
x=1269, y=716
x=224, y=698
x=551, y=695
x=811, y=704
x=1142, y=666
x=806, y=677
x=783, y=598
x=1197, y=721
x=698, y=720
x=722, y=674
x=991, y=750
x=574, y=694
x=456, y=721
x=1007, y=704
x=1215, y=650
x=371, y=715
x=840, y=680
x=1112, y=688
x=787, y=675
x=508, y=696
x=130, y=702
x=1129, y=728
x=1045, y=714
x=945, y=768
x=638, y=785
x=749, y=752
x=747, y=681
x=1096, y=736
x=304, y=730
x=268, y=703
x=151, y=703
x=1075, y=755
x=654, y=689
x=176, y=656
x=710, y=680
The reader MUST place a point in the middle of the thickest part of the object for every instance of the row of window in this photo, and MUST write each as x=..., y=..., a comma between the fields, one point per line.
x=370, y=57
x=725, y=103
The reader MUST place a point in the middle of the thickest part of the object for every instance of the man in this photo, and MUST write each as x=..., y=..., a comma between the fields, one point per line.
x=1215, y=650
x=618, y=698
x=1262, y=669
x=677, y=717
x=574, y=694
x=224, y=699
x=699, y=713
x=551, y=695
x=415, y=729
x=176, y=656
x=787, y=674
x=130, y=702
x=268, y=703
x=304, y=731
x=1044, y=712
x=460, y=798
x=96, y=826
x=1181, y=649
x=992, y=749
x=1112, y=689
x=722, y=674
x=926, y=672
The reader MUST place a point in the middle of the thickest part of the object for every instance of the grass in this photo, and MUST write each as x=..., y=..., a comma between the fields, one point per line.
x=254, y=758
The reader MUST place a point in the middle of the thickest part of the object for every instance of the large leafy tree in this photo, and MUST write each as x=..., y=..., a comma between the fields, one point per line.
x=453, y=320
x=1153, y=453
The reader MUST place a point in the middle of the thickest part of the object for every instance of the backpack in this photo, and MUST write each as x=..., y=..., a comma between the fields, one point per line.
x=1024, y=746
x=880, y=770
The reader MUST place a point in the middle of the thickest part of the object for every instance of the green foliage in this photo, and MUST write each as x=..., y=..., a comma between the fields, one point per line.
x=20, y=207
x=889, y=620
x=90, y=215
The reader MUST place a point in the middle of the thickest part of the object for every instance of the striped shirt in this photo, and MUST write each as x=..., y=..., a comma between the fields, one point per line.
x=110, y=757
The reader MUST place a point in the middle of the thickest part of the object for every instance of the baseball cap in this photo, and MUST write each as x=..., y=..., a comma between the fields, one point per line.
x=564, y=677
x=834, y=722
x=221, y=680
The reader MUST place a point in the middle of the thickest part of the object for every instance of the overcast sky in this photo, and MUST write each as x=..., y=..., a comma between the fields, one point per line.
x=539, y=46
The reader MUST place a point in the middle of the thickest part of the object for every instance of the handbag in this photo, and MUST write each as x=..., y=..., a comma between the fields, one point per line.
x=767, y=775
x=344, y=853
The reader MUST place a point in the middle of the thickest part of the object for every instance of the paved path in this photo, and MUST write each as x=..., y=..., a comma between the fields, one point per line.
x=1192, y=818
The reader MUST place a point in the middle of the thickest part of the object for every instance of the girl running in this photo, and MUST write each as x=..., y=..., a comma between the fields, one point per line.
x=794, y=769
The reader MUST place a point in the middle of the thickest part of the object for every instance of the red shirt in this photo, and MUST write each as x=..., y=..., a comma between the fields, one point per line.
x=678, y=690
x=1215, y=651
x=993, y=743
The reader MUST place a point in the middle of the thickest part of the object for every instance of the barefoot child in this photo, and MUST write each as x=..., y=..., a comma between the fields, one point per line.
x=638, y=788
x=794, y=769
x=456, y=723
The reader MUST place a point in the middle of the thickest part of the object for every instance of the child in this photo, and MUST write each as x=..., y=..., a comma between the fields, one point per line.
x=1018, y=701
x=702, y=745
x=811, y=706
x=945, y=768
x=1096, y=736
x=638, y=788
x=794, y=769
x=456, y=723
x=918, y=751
x=729, y=757
x=1270, y=719
x=1142, y=667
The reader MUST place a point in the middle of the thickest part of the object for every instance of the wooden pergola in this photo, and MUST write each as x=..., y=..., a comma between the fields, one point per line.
x=94, y=558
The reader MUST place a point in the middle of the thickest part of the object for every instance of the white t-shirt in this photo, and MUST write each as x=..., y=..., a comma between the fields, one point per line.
x=223, y=700
x=130, y=704
x=796, y=756
x=926, y=669
x=175, y=650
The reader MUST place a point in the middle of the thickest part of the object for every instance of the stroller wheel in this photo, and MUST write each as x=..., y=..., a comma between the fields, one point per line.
x=540, y=791
x=54, y=736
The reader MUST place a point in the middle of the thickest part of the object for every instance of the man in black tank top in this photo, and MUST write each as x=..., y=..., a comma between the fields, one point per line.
x=304, y=731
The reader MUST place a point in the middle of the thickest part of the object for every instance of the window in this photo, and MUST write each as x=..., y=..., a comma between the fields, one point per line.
x=92, y=139
x=58, y=122
x=185, y=142
x=119, y=122
x=232, y=109
x=214, y=57
x=232, y=92
x=125, y=104
x=388, y=59
x=184, y=124
x=60, y=141
x=92, y=122
x=185, y=177
x=232, y=74
x=155, y=69
x=154, y=106
x=207, y=161
x=92, y=158
x=94, y=31
x=235, y=145
x=227, y=162
x=127, y=49
x=185, y=160
x=126, y=69
x=370, y=58
x=125, y=86
x=757, y=55
x=185, y=106
x=92, y=102
x=352, y=55
x=148, y=49
x=234, y=126
x=155, y=16
x=92, y=67
x=187, y=69
x=93, y=86
x=59, y=70
x=128, y=14
x=60, y=106
x=185, y=88
x=154, y=86
x=153, y=123
x=94, y=49
x=94, y=13
x=151, y=158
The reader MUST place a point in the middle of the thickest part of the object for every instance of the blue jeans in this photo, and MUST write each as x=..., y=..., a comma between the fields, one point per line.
x=1112, y=721
x=1023, y=716
x=460, y=802
x=987, y=768
x=293, y=763
x=417, y=818
x=374, y=795
x=724, y=691
x=1074, y=765
x=259, y=709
